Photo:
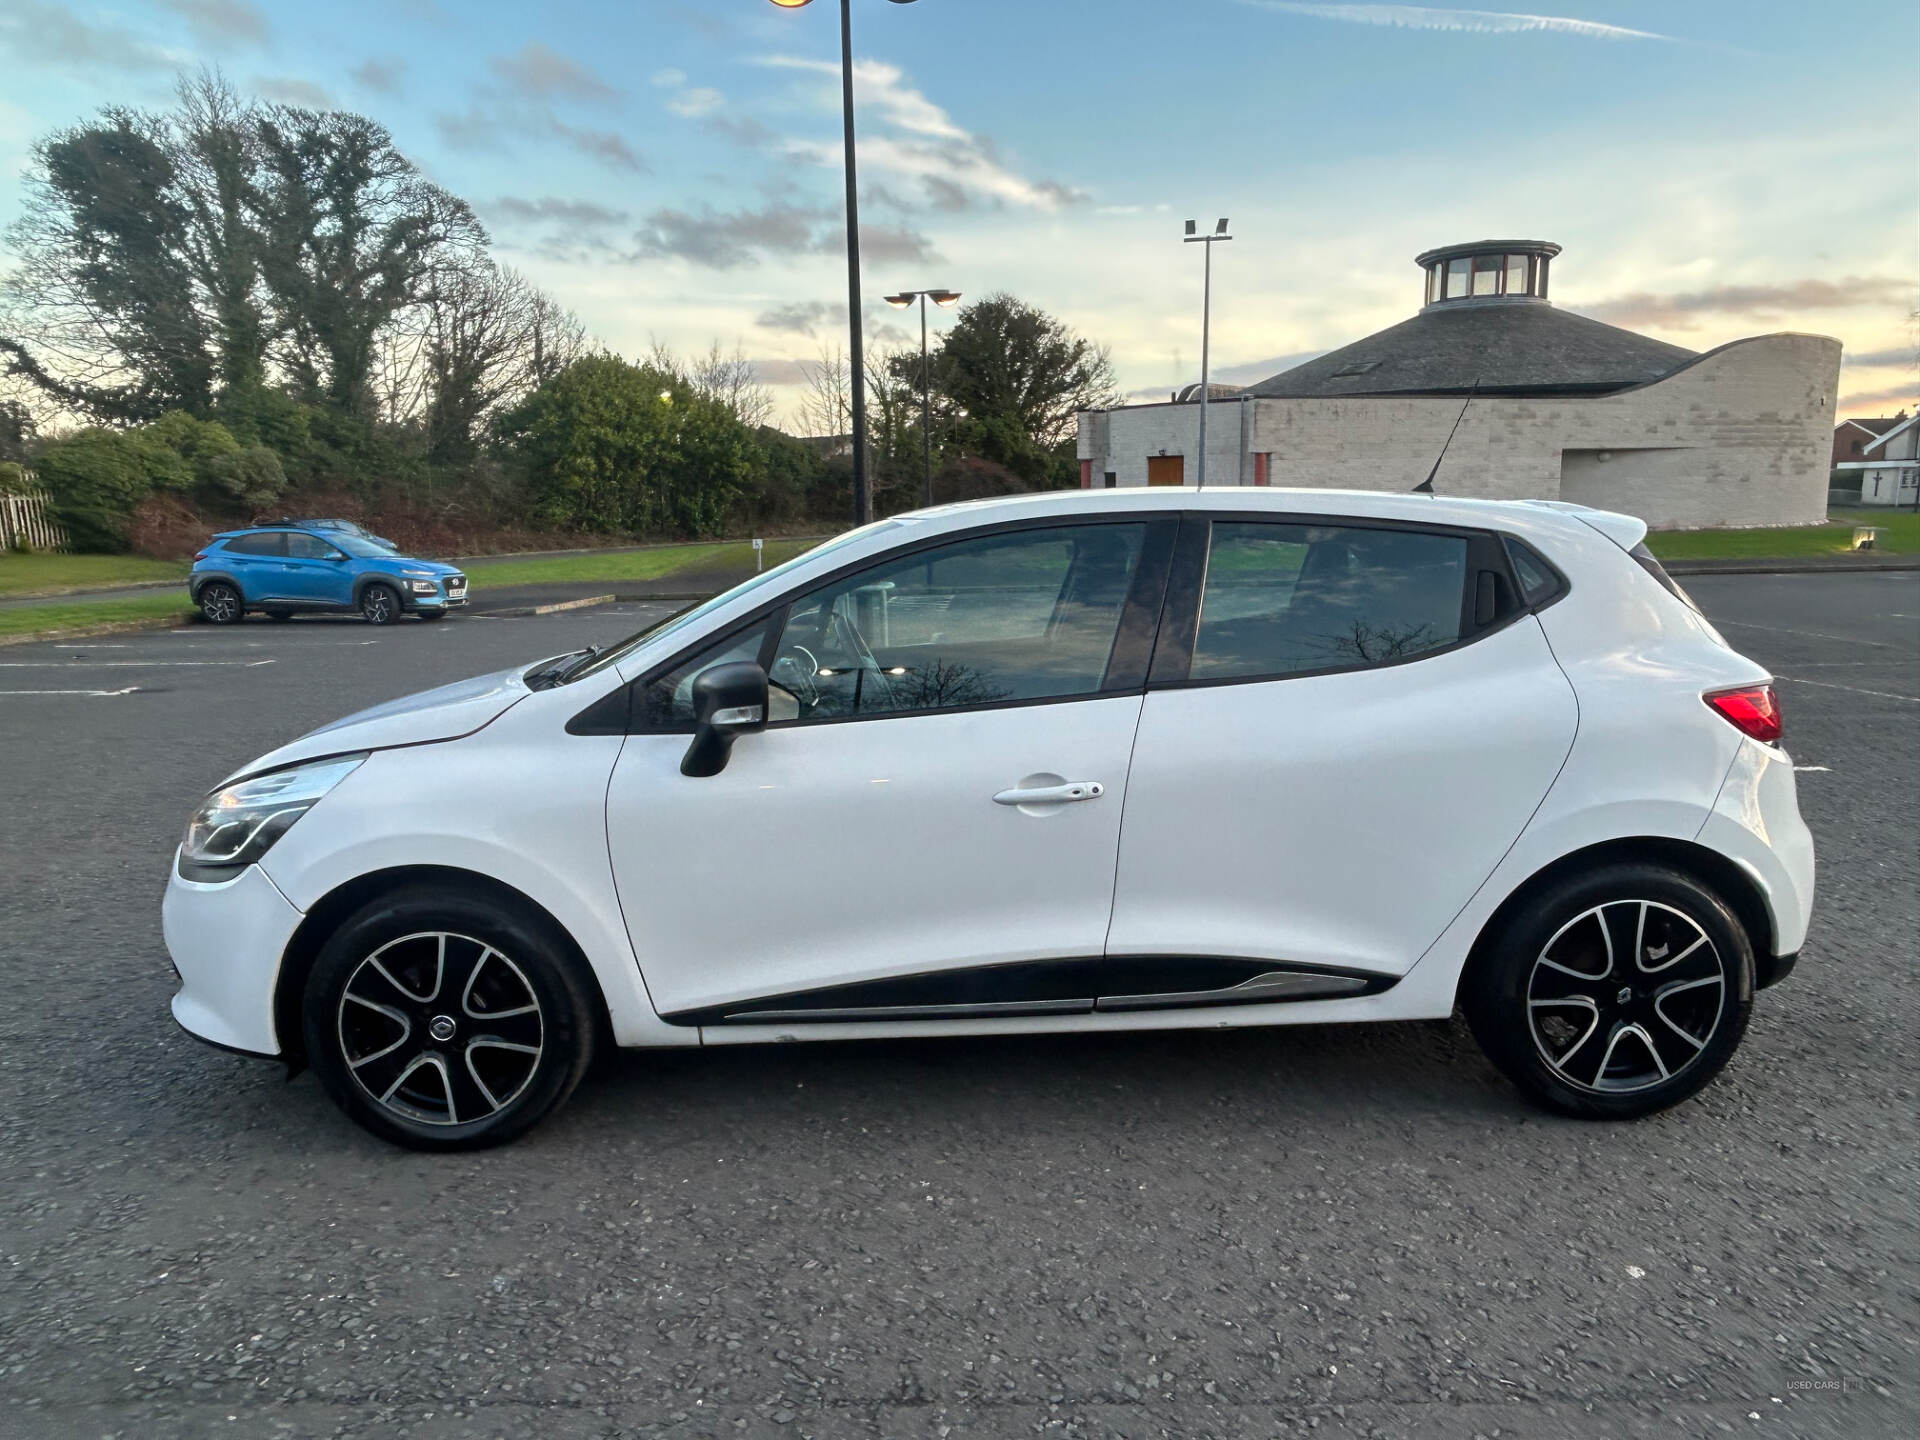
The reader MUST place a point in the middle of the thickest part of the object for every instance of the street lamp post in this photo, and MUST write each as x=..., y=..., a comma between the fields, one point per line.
x=862, y=493
x=1206, y=325
x=946, y=300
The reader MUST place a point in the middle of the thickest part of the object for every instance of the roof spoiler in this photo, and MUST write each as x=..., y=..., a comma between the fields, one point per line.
x=1626, y=531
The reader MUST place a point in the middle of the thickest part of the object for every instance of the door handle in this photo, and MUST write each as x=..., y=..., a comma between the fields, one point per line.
x=1052, y=794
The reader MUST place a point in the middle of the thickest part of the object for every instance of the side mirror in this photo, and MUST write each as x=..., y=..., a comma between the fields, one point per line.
x=728, y=701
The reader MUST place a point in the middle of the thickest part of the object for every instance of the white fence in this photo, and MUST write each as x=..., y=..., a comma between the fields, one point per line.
x=27, y=524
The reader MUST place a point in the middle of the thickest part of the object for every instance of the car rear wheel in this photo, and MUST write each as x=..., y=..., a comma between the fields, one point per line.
x=1614, y=993
x=443, y=1020
x=220, y=603
x=380, y=604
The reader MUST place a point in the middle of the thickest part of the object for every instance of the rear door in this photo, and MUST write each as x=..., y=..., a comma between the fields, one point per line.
x=1348, y=725
x=258, y=562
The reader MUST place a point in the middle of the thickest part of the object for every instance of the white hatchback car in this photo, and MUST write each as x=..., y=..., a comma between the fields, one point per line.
x=1127, y=760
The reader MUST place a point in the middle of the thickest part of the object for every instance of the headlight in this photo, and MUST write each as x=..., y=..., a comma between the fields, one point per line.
x=424, y=587
x=237, y=825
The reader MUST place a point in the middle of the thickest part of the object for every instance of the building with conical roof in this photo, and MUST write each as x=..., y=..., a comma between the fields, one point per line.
x=1557, y=407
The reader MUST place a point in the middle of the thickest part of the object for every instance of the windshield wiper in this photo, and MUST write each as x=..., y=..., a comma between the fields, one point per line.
x=554, y=671
x=587, y=657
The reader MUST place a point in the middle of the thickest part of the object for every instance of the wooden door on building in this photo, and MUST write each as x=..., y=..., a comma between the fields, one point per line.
x=1166, y=470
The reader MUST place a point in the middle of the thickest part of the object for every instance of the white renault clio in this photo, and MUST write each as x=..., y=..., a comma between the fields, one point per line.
x=1131, y=760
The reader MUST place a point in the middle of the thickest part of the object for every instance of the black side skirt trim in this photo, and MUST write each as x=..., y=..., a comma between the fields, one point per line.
x=1049, y=987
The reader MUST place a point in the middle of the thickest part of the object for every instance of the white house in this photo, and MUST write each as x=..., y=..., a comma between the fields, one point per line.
x=1891, y=473
x=1561, y=408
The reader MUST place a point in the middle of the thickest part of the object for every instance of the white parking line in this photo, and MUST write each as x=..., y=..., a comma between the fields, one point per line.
x=1808, y=634
x=1829, y=685
x=126, y=691
x=1813, y=769
x=77, y=664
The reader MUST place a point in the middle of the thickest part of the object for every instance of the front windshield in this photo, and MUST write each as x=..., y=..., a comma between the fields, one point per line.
x=358, y=546
x=616, y=653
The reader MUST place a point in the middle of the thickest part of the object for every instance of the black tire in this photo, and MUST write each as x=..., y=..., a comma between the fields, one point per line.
x=416, y=1015
x=380, y=604
x=1613, y=993
x=280, y=617
x=220, y=603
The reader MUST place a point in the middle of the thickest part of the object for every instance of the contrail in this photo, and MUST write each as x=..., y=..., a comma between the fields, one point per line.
x=1467, y=22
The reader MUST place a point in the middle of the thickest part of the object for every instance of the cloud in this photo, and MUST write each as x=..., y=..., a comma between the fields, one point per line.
x=42, y=33
x=1906, y=355
x=483, y=126
x=1863, y=400
x=730, y=239
x=1463, y=22
x=380, y=76
x=668, y=79
x=291, y=90
x=540, y=73
x=1679, y=312
x=802, y=317
x=696, y=103
x=783, y=372
x=578, y=214
x=215, y=20
x=954, y=167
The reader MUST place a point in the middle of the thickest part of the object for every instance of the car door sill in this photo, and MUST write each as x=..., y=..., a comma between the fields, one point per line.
x=1048, y=987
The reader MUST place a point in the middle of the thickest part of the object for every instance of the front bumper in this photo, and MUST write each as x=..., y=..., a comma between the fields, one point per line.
x=226, y=940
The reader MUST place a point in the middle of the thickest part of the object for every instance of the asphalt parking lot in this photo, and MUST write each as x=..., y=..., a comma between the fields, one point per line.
x=1356, y=1231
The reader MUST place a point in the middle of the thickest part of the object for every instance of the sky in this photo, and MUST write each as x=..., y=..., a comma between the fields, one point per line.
x=670, y=169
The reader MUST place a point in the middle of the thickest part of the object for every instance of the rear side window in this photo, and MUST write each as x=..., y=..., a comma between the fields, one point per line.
x=271, y=543
x=1538, y=582
x=1651, y=564
x=1290, y=599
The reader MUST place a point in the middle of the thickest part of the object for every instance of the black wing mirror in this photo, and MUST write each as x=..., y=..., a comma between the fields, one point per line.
x=728, y=701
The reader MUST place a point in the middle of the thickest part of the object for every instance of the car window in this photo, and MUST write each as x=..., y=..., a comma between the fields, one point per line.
x=1286, y=599
x=1030, y=615
x=268, y=543
x=666, y=701
x=309, y=547
x=1537, y=582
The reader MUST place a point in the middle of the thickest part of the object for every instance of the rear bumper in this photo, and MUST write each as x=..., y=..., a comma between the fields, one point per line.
x=226, y=940
x=1756, y=823
x=1772, y=969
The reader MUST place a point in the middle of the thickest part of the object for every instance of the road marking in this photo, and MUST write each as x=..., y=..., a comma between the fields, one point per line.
x=1830, y=685
x=1813, y=769
x=71, y=665
x=126, y=691
x=1811, y=635
x=82, y=645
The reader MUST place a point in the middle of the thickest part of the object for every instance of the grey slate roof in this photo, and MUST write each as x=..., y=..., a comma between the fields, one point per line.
x=1524, y=347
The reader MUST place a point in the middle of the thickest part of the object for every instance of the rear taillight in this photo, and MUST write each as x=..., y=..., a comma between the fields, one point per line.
x=1752, y=710
x=198, y=558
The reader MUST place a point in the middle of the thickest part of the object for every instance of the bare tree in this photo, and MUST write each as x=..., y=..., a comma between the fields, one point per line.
x=825, y=408
x=731, y=380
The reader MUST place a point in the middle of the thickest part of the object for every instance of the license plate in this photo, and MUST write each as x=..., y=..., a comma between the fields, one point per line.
x=456, y=588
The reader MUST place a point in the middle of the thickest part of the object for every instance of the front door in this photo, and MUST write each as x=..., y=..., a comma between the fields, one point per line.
x=316, y=571
x=935, y=803
x=1339, y=753
x=1166, y=470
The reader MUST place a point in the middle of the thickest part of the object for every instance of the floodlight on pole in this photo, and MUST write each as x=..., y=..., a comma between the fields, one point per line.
x=862, y=494
x=946, y=300
x=1206, y=325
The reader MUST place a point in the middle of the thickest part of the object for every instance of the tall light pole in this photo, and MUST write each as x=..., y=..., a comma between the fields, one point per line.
x=946, y=300
x=862, y=493
x=1206, y=324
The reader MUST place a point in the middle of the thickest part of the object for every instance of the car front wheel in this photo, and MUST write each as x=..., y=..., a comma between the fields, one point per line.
x=442, y=1020
x=220, y=603
x=380, y=604
x=1615, y=993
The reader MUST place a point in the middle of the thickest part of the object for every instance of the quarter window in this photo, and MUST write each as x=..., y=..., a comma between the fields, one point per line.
x=1001, y=618
x=1290, y=599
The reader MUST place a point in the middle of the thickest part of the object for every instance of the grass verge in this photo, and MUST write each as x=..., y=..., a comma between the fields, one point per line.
x=165, y=607
x=23, y=574
x=663, y=563
x=1900, y=535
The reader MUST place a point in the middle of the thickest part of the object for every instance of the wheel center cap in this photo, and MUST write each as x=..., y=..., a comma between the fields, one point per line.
x=441, y=1028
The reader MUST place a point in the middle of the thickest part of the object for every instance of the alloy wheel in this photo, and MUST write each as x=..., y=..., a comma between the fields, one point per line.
x=377, y=605
x=440, y=1028
x=219, y=604
x=1625, y=996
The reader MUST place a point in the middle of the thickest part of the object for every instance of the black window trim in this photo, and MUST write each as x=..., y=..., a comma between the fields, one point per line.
x=1186, y=586
x=1134, y=638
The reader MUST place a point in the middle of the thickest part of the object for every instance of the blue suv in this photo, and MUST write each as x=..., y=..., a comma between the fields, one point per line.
x=280, y=569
